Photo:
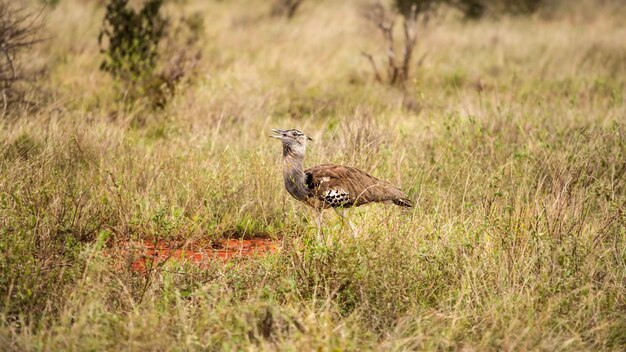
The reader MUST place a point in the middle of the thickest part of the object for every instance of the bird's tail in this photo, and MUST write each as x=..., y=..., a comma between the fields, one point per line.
x=398, y=197
x=403, y=202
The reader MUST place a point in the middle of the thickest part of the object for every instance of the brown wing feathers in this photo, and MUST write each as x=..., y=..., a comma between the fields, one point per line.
x=348, y=186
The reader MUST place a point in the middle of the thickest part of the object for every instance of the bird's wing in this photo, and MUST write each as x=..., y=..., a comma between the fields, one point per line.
x=339, y=185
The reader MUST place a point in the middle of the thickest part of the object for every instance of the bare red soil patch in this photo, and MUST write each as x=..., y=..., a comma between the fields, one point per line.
x=146, y=254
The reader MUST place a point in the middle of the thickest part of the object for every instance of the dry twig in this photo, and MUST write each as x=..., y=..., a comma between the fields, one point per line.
x=398, y=63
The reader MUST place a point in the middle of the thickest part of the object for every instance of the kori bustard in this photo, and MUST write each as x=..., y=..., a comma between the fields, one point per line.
x=330, y=186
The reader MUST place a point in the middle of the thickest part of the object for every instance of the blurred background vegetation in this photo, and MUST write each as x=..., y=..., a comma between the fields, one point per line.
x=125, y=121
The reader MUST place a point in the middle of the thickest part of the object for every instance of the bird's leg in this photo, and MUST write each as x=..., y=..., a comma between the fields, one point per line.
x=340, y=212
x=320, y=233
x=355, y=231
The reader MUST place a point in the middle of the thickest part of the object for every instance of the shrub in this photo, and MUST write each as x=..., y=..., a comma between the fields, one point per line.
x=142, y=49
x=133, y=39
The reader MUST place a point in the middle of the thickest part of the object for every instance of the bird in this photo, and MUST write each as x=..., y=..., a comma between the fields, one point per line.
x=328, y=185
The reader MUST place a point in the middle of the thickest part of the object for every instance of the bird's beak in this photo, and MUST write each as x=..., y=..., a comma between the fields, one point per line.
x=280, y=134
x=309, y=138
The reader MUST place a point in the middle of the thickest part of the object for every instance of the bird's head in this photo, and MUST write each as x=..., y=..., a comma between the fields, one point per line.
x=294, y=141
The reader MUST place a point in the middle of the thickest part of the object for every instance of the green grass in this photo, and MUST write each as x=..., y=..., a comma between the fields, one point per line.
x=510, y=139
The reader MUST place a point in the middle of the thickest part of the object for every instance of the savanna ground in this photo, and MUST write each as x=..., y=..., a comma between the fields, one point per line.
x=510, y=138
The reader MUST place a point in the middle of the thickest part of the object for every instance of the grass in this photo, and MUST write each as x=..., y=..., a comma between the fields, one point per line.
x=510, y=139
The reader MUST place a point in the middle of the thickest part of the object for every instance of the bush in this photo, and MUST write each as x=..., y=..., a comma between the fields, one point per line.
x=19, y=31
x=133, y=38
x=132, y=41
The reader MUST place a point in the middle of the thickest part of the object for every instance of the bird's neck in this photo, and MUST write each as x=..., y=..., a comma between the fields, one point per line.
x=293, y=174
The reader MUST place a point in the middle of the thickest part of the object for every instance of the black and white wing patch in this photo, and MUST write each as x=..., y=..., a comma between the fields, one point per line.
x=337, y=198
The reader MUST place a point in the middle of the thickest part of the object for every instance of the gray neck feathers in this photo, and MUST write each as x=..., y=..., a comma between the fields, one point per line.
x=294, y=174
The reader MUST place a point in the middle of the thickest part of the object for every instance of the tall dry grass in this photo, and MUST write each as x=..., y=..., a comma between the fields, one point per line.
x=510, y=138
